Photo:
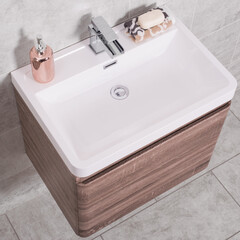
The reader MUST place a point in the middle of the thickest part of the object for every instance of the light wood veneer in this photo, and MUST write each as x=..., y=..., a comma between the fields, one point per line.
x=91, y=203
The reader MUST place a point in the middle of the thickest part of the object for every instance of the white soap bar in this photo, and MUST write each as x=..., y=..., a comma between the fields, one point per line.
x=151, y=19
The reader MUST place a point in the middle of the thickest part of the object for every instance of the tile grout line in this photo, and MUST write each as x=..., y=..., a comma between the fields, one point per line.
x=198, y=177
x=182, y=186
x=12, y=226
x=234, y=115
x=238, y=39
x=215, y=31
x=12, y=129
x=226, y=189
x=234, y=61
x=225, y=161
x=233, y=235
x=128, y=218
x=237, y=89
x=193, y=16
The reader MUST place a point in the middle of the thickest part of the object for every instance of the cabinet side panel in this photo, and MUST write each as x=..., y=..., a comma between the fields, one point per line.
x=139, y=178
x=49, y=165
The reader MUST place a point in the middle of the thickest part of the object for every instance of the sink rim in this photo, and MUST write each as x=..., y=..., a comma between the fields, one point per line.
x=83, y=169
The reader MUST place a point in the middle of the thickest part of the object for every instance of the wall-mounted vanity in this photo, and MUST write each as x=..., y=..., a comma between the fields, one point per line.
x=102, y=156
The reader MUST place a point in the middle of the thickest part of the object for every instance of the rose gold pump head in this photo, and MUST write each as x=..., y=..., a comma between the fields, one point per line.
x=42, y=61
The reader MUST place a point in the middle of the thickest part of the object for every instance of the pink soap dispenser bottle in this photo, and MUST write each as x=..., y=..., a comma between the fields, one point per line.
x=42, y=61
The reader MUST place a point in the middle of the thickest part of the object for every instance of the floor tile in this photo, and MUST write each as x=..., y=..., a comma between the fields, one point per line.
x=235, y=108
x=30, y=218
x=6, y=230
x=235, y=237
x=138, y=7
x=13, y=164
x=20, y=188
x=228, y=144
x=8, y=109
x=235, y=70
x=229, y=176
x=184, y=10
x=12, y=154
x=236, y=55
x=180, y=185
x=200, y=210
x=98, y=238
x=213, y=15
x=11, y=142
x=41, y=219
x=118, y=11
x=148, y=204
x=222, y=43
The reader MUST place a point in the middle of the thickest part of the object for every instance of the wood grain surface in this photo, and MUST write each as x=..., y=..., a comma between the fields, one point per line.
x=92, y=203
x=49, y=165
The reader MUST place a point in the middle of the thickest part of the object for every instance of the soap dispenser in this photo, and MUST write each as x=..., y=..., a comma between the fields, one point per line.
x=42, y=62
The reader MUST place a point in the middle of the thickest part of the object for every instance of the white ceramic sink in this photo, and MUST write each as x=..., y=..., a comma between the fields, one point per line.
x=172, y=80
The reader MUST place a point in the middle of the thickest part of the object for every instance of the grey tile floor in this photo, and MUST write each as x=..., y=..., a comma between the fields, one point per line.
x=206, y=206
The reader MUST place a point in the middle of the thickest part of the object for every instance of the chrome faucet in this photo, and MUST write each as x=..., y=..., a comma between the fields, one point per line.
x=103, y=38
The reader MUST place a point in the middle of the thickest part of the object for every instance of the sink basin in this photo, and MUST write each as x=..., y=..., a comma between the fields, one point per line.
x=97, y=110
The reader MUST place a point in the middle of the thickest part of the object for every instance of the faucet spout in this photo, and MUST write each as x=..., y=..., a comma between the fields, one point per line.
x=103, y=38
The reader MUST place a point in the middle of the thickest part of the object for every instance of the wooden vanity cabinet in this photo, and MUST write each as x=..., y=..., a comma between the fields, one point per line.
x=92, y=203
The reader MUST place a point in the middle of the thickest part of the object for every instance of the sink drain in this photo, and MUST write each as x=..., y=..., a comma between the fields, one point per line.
x=119, y=92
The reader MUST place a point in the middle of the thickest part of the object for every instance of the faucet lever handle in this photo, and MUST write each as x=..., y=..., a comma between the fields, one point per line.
x=102, y=26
